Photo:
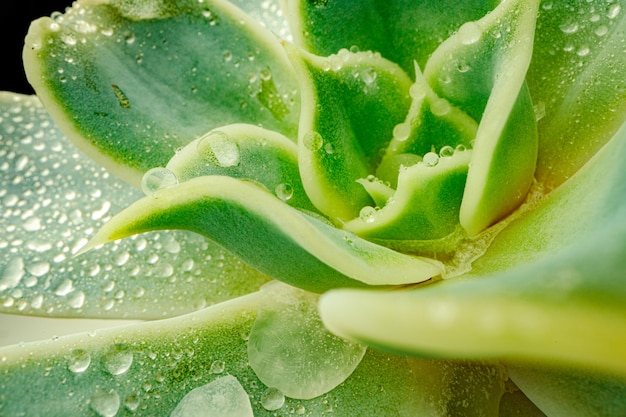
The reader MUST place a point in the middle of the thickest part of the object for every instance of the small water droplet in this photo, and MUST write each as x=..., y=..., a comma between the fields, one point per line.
x=284, y=191
x=446, y=152
x=218, y=148
x=417, y=92
x=369, y=75
x=157, y=178
x=440, y=107
x=602, y=30
x=312, y=141
x=431, y=159
x=614, y=10
x=272, y=399
x=217, y=367
x=118, y=359
x=469, y=33
x=368, y=214
x=105, y=403
x=300, y=409
x=78, y=360
x=402, y=131
x=569, y=27
x=227, y=56
x=131, y=402
x=65, y=287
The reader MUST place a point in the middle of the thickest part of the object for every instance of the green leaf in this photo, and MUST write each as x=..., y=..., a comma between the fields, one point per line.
x=403, y=31
x=147, y=369
x=269, y=235
x=481, y=69
x=350, y=104
x=577, y=82
x=426, y=205
x=567, y=392
x=291, y=350
x=131, y=82
x=555, y=296
x=248, y=152
x=53, y=199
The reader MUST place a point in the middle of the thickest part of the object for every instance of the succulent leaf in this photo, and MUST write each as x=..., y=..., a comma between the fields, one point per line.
x=54, y=198
x=403, y=31
x=549, y=304
x=248, y=152
x=104, y=70
x=351, y=102
x=297, y=249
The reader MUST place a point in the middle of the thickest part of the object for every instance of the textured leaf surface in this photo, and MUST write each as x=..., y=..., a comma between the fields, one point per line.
x=266, y=233
x=577, y=81
x=560, y=301
x=130, y=83
x=247, y=152
x=53, y=198
x=350, y=104
x=403, y=31
x=146, y=370
x=481, y=69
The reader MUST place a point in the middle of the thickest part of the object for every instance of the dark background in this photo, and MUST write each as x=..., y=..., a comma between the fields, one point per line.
x=15, y=17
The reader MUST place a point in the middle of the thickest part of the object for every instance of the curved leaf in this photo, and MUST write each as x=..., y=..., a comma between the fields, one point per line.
x=481, y=69
x=426, y=205
x=147, y=369
x=131, y=82
x=269, y=235
x=53, y=198
x=562, y=302
x=578, y=83
x=403, y=31
x=350, y=105
x=248, y=152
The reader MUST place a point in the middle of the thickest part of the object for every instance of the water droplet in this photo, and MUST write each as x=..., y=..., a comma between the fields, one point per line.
x=569, y=27
x=105, y=403
x=368, y=214
x=131, y=402
x=469, y=33
x=272, y=399
x=300, y=409
x=76, y=299
x=68, y=40
x=431, y=159
x=157, y=178
x=217, y=367
x=228, y=56
x=223, y=397
x=284, y=191
x=329, y=148
x=417, y=92
x=614, y=10
x=78, y=360
x=583, y=51
x=602, y=30
x=129, y=38
x=312, y=141
x=218, y=148
x=65, y=287
x=12, y=274
x=446, y=151
x=118, y=359
x=368, y=75
x=440, y=107
x=402, y=131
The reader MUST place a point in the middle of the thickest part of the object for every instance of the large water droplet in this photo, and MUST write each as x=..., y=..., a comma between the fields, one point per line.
x=272, y=399
x=312, y=141
x=78, y=360
x=12, y=274
x=368, y=214
x=224, y=397
x=469, y=33
x=431, y=159
x=105, y=403
x=218, y=148
x=284, y=191
x=157, y=178
x=217, y=367
x=118, y=359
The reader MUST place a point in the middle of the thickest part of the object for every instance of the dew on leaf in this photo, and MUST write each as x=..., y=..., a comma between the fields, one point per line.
x=157, y=178
x=431, y=159
x=78, y=360
x=12, y=274
x=118, y=359
x=105, y=403
x=217, y=367
x=312, y=141
x=223, y=397
x=368, y=214
x=284, y=191
x=446, y=151
x=272, y=399
x=219, y=149
x=469, y=33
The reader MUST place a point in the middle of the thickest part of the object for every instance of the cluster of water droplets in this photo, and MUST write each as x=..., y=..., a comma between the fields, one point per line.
x=45, y=228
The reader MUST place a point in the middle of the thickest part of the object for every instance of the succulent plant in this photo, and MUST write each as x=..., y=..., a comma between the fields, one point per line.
x=399, y=208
